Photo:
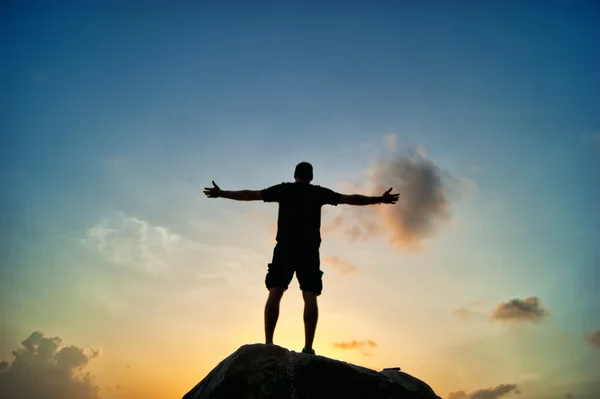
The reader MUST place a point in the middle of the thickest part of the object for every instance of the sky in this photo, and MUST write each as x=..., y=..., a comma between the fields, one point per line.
x=120, y=279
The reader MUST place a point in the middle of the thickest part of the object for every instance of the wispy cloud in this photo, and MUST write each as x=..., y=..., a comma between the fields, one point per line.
x=335, y=224
x=339, y=265
x=355, y=224
x=363, y=227
x=488, y=393
x=355, y=344
x=45, y=366
x=593, y=339
x=361, y=346
x=466, y=313
x=134, y=243
x=528, y=310
x=129, y=241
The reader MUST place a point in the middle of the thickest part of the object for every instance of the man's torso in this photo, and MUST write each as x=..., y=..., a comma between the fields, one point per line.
x=299, y=217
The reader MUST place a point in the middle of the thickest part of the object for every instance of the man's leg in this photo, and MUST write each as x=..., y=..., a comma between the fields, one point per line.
x=277, y=281
x=311, y=284
x=272, y=312
x=311, y=315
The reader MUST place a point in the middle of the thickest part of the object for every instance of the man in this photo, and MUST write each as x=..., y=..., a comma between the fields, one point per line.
x=298, y=240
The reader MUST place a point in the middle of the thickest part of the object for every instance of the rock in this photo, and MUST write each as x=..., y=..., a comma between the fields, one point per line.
x=271, y=372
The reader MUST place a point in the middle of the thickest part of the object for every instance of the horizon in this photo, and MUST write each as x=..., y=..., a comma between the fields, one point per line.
x=482, y=280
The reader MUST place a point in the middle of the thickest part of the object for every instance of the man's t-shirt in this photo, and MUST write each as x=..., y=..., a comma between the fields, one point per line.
x=299, y=219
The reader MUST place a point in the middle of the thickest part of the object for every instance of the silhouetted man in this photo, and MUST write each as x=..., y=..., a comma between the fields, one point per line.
x=298, y=240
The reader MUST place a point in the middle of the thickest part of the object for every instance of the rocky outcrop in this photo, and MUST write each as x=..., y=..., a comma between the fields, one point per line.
x=271, y=372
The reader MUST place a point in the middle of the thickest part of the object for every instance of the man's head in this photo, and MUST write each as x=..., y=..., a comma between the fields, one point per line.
x=303, y=172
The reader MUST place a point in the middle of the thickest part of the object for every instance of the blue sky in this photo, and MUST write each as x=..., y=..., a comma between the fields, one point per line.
x=119, y=115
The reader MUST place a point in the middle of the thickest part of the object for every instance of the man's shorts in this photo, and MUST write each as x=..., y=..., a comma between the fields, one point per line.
x=304, y=261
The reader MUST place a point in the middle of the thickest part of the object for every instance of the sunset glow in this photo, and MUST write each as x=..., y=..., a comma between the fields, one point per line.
x=483, y=116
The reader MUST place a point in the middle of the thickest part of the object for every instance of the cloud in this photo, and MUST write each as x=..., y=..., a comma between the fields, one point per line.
x=351, y=345
x=334, y=225
x=465, y=314
x=127, y=240
x=426, y=192
x=424, y=198
x=362, y=346
x=458, y=395
x=45, y=367
x=488, y=393
x=356, y=225
x=362, y=228
x=154, y=250
x=520, y=311
x=340, y=266
x=593, y=339
x=493, y=393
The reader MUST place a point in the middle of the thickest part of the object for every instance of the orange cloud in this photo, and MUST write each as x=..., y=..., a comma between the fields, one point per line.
x=332, y=226
x=424, y=198
x=425, y=201
x=340, y=266
x=350, y=345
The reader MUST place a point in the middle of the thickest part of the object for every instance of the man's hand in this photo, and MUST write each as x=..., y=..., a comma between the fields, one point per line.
x=212, y=192
x=388, y=198
x=240, y=195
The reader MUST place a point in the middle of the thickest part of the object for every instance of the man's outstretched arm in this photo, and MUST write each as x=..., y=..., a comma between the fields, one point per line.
x=240, y=195
x=358, y=199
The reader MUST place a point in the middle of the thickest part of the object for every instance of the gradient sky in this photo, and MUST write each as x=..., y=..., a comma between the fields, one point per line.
x=114, y=118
